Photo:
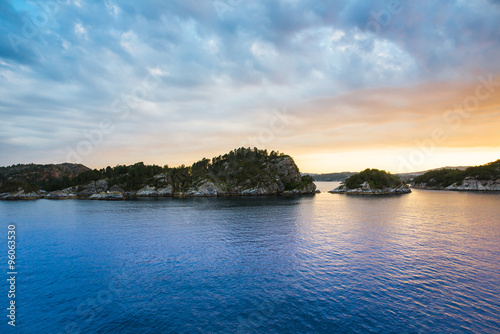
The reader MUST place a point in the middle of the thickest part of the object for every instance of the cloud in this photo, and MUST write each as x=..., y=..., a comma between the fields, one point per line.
x=336, y=64
x=403, y=117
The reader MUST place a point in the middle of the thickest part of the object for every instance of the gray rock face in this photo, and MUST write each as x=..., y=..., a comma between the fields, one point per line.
x=20, y=194
x=265, y=188
x=88, y=190
x=93, y=188
x=258, y=191
x=101, y=186
x=471, y=184
x=205, y=188
x=309, y=189
x=468, y=184
x=147, y=191
x=152, y=191
x=288, y=171
x=68, y=193
x=365, y=189
x=108, y=196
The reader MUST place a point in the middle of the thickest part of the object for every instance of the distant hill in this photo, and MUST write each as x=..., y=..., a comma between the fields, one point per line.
x=342, y=176
x=32, y=176
x=410, y=176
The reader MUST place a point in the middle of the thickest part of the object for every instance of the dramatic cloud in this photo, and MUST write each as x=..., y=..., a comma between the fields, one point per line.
x=102, y=82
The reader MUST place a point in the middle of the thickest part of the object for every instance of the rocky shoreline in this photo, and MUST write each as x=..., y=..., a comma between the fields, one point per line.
x=117, y=196
x=468, y=184
x=366, y=189
x=100, y=190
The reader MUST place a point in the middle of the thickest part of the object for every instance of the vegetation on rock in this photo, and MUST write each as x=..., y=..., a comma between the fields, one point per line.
x=446, y=177
x=377, y=179
x=241, y=169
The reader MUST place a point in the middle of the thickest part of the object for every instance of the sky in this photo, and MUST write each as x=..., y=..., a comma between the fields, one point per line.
x=339, y=85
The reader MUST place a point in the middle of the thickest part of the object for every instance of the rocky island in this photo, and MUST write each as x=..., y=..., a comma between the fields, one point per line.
x=241, y=172
x=372, y=182
x=478, y=178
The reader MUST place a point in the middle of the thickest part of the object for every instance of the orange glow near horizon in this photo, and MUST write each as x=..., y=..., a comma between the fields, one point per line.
x=404, y=160
x=403, y=129
x=400, y=161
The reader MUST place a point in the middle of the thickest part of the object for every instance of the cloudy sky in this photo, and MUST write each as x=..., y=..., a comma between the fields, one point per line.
x=339, y=85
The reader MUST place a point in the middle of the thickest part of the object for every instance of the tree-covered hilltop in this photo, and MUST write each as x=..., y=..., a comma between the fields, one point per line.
x=373, y=181
x=455, y=178
x=243, y=171
x=243, y=166
x=377, y=179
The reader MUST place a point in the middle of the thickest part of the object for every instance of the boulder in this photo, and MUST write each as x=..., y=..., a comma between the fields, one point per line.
x=108, y=196
x=205, y=188
x=101, y=186
x=68, y=193
x=152, y=191
x=87, y=190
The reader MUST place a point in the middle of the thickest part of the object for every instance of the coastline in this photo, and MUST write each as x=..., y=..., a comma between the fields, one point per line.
x=493, y=191
x=125, y=197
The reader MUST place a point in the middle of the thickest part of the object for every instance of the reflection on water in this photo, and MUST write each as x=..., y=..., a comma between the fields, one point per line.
x=423, y=262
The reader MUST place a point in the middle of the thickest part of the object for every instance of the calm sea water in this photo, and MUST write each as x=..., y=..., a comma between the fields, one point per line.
x=427, y=262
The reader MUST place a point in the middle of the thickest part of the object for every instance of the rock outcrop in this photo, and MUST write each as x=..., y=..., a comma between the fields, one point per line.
x=109, y=196
x=20, y=194
x=204, y=188
x=366, y=189
x=152, y=191
x=468, y=184
x=68, y=193
x=478, y=178
x=307, y=189
x=373, y=182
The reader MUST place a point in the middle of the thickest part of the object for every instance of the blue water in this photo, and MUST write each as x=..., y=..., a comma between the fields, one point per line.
x=427, y=262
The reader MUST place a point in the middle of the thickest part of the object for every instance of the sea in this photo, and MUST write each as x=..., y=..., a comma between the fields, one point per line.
x=425, y=262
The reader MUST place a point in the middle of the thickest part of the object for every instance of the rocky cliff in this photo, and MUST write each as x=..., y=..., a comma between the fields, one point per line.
x=242, y=172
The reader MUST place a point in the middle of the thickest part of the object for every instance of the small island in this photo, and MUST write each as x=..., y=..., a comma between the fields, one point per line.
x=241, y=172
x=479, y=178
x=372, y=182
